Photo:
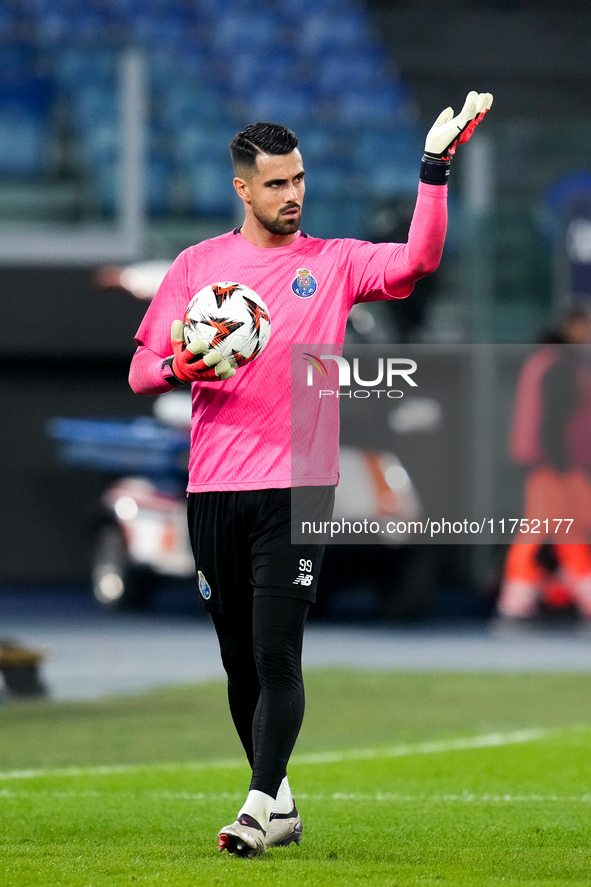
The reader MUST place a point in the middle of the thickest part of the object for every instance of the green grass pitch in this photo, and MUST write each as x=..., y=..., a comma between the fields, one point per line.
x=401, y=779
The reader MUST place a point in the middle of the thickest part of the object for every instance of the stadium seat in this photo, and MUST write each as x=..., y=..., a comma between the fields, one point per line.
x=93, y=104
x=289, y=106
x=168, y=70
x=393, y=177
x=326, y=179
x=24, y=112
x=63, y=26
x=9, y=22
x=162, y=30
x=249, y=70
x=320, y=142
x=199, y=143
x=183, y=105
x=23, y=142
x=73, y=67
x=213, y=68
x=299, y=9
x=210, y=189
x=16, y=63
x=105, y=183
x=233, y=31
x=99, y=144
x=158, y=190
x=375, y=107
x=321, y=32
x=343, y=217
x=364, y=70
x=401, y=144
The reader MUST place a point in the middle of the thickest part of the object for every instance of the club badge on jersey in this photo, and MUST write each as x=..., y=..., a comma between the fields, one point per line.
x=204, y=587
x=304, y=284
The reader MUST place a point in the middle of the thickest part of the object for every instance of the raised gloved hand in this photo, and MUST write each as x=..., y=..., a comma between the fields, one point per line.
x=193, y=362
x=448, y=132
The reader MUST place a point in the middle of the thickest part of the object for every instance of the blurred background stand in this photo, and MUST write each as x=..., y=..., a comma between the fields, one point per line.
x=20, y=670
x=115, y=119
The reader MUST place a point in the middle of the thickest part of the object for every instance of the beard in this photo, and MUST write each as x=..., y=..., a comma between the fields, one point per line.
x=278, y=225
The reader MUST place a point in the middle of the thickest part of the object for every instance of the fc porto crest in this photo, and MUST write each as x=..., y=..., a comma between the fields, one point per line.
x=204, y=587
x=304, y=284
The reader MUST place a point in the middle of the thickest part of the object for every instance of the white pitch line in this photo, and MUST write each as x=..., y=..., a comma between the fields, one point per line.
x=464, y=797
x=487, y=740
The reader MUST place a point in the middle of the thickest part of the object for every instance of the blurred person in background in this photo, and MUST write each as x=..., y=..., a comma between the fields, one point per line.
x=551, y=439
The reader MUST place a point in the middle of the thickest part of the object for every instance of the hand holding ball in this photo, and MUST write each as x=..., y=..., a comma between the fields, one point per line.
x=226, y=326
x=189, y=366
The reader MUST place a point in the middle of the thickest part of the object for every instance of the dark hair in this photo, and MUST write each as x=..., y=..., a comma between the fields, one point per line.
x=260, y=138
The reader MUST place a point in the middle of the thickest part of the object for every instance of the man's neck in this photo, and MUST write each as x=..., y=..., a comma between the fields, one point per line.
x=259, y=236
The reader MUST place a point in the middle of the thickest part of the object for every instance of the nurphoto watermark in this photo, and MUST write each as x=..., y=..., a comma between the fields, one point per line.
x=438, y=444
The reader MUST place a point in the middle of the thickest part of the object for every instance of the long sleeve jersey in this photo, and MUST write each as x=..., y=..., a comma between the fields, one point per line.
x=241, y=429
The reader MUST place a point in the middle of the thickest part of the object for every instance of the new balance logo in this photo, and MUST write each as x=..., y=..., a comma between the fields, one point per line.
x=303, y=579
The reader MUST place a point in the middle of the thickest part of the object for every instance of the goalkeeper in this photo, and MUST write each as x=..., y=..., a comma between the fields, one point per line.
x=256, y=585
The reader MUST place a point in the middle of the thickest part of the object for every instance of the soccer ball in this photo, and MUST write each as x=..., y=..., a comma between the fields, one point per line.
x=230, y=318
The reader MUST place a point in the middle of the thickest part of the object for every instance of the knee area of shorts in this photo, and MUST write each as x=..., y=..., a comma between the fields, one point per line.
x=239, y=663
x=279, y=671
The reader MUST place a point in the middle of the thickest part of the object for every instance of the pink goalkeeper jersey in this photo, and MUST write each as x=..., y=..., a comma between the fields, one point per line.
x=241, y=428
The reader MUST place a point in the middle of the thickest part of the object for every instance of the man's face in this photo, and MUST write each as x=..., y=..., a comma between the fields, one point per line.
x=275, y=192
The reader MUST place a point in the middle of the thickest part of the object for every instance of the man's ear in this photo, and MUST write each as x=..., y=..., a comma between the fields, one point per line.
x=242, y=189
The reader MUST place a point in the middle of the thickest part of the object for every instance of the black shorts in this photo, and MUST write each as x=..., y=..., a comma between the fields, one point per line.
x=242, y=545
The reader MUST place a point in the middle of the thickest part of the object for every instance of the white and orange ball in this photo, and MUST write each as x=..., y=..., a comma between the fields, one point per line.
x=230, y=318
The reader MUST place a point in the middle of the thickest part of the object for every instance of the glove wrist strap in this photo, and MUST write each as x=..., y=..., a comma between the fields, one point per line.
x=434, y=170
x=169, y=375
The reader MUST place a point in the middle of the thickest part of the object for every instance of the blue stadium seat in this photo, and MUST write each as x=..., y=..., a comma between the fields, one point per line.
x=375, y=107
x=105, y=183
x=63, y=25
x=401, y=144
x=297, y=10
x=288, y=106
x=162, y=30
x=210, y=189
x=195, y=61
x=393, y=177
x=16, y=63
x=311, y=64
x=320, y=142
x=24, y=112
x=344, y=217
x=233, y=31
x=9, y=22
x=188, y=105
x=361, y=70
x=250, y=71
x=327, y=179
x=323, y=32
x=74, y=66
x=94, y=104
x=167, y=69
x=197, y=143
x=158, y=185
x=128, y=10
x=100, y=145
x=23, y=142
